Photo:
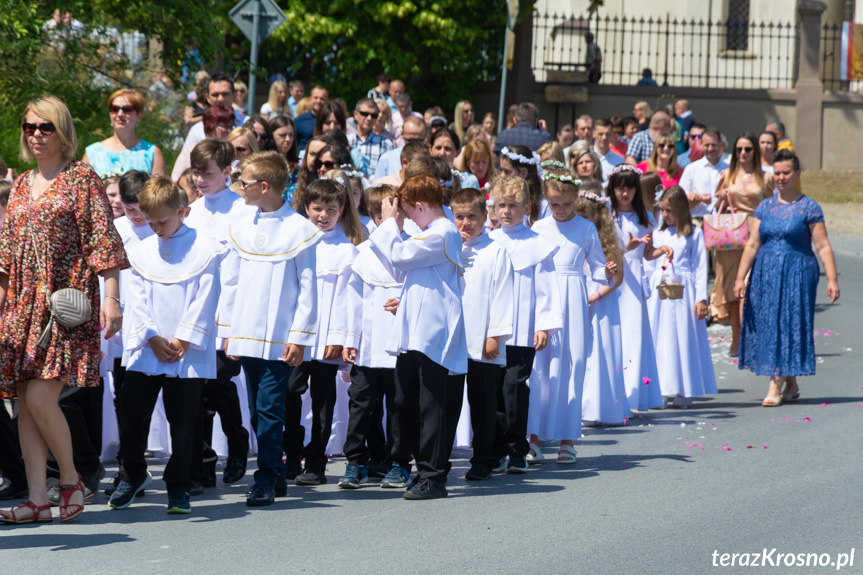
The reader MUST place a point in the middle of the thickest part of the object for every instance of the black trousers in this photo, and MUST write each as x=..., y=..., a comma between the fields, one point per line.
x=82, y=407
x=369, y=386
x=11, y=463
x=220, y=396
x=322, y=387
x=119, y=373
x=483, y=382
x=454, y=402
x=419, y=422
x=512, y=403
x=182, y=399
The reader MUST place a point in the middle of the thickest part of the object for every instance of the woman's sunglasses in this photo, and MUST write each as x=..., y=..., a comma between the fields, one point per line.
x=46, y=128
x=328, y=165
x=126, y=109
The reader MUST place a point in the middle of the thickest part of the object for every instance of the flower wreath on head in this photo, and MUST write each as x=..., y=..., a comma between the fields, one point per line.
x=351, y=172
x=594, y=197
x=552, y=164
x=534, y=161
x=565, y=178
x=627, y=168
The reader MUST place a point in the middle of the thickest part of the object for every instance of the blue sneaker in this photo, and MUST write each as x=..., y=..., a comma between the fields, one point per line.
x=354, y=476
x=178, y=503
x=397, y=477
x=126, y=492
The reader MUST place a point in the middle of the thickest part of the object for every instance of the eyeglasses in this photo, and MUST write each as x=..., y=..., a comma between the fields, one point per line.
x=695, y=136
x=744, y=148
x=126, y=109
x=241, y=149
x=46, y=128
x=374, y=115
x=328, y=165
x=247, y=183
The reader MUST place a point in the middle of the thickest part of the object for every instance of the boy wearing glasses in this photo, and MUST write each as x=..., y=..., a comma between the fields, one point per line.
x=270, y=307
x=364, y=139
x=211, y=165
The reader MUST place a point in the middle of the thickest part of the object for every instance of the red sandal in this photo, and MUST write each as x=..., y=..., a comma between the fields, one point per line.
x=66, y=492
x=37, y=512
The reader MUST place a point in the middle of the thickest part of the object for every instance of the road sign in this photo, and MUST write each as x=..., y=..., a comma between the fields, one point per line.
x=269, y=17
x=257, y=19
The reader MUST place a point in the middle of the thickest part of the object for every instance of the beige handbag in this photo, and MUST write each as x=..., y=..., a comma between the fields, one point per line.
x=69, y=307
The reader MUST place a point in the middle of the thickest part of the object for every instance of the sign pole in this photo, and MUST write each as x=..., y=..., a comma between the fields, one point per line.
x=500, y=115
x=256, y=19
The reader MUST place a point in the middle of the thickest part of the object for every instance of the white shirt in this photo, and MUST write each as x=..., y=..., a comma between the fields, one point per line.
x=608, y=162
x=174, y=293
x=131, y=236
x=536, y=294
x=373, y=281
x=271, y=296
x=702, y=177
x=429, y=318
x=213, y=213
x=487, y=298
x=334, y=255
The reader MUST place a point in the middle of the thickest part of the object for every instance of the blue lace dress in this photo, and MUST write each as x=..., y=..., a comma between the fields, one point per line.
x=109, y=163
x=778, y=315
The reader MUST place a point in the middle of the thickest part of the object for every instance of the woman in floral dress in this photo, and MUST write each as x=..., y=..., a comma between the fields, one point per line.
x=57, y=234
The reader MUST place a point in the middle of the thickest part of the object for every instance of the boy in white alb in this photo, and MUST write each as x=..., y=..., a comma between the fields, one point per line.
x=488, y=309
x=373, y=287
x=173, y=296
x=272, y=307
x=211, y=215
x=429, y=336
x=537, y=312
x=133, y=229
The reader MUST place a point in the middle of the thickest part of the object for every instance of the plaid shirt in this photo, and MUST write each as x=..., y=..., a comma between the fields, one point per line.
x=372, y=148
x=523, y=133
x=641, y=146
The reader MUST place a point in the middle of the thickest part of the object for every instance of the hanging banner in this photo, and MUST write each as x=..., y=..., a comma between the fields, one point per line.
x=851, y=62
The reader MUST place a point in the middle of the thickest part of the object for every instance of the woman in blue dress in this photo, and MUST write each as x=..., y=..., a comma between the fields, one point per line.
x=779, y=306
x=124, y=150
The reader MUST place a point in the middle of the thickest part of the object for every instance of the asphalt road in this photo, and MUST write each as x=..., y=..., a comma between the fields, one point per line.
x=660, y=495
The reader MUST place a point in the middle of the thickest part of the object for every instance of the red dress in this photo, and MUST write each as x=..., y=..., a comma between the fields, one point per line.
x=73, y=231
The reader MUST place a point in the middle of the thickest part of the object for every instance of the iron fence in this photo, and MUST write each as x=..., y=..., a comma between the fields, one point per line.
x=684, y=53
x=831, y=59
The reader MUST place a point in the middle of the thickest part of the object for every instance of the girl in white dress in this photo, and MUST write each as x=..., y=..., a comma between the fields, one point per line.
x=556, y=383
x=604, y=399
x=635, y=225
x=679, y=329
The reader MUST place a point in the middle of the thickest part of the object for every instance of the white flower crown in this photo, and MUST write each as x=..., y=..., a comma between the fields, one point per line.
x=566, y=179
x=627, y=168
x=594, y=197
x=553, y=164
x=534, y=161
x=351, y=172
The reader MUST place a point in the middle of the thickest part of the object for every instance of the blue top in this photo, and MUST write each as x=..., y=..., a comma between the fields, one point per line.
x=776, y=336
x=304, y=124
x=107, y=163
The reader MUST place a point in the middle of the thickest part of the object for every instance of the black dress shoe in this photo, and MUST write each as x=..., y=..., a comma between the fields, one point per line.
x=13, y=490
x=260, y=495
x=281, y=488
x=235, y=469
x=197, y=488
x=425, y=489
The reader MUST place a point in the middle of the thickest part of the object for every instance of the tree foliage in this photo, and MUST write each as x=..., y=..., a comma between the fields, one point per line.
x=82, y=67
x=441, y=48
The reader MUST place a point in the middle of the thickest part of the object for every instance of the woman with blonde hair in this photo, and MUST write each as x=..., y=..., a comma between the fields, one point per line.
x=277, y=102
x=463, y=119
x=383, y=125
x=477, y=160
x=124, y=150
x=58, y=234
x=550, y=151
x=642, y=113
x=663, y=161
x=741, y=187
x=244, y=142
